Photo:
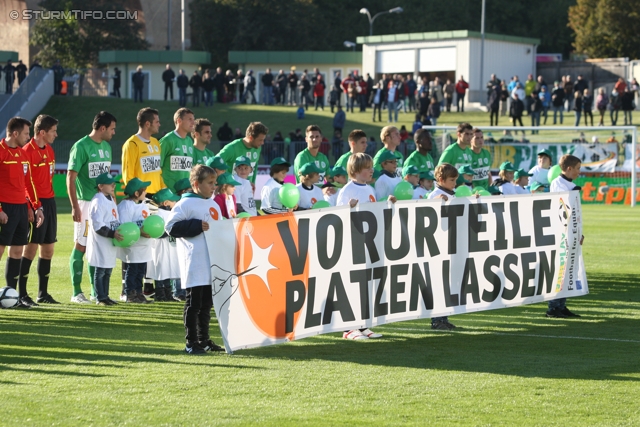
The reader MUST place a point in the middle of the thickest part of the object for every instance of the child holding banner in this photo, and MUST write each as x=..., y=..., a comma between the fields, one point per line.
x=270, y=200
x=446, y=177
x=570, y=166
x=521, y=180
x=388, y=178
x=226, y=198
x=425, y=185
x=337, y=177
x=309, y=193
x=540, y=171
x=188, y=220
x=360, y=170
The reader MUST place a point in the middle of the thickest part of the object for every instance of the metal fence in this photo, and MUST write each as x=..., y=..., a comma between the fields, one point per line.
x=21, y=95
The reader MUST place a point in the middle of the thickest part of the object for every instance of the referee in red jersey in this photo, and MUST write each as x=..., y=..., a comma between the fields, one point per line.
x=42, y=161
x=18, y=198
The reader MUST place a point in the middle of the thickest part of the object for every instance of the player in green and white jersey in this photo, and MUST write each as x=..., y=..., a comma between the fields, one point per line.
x=480, y=161
x=459, y=154
x=357, y=143
x=202, y=138
x=390, y=137
x=250, y=147
x=89, y=158
x=421, y=158
x=312, y=154
x=176, y=148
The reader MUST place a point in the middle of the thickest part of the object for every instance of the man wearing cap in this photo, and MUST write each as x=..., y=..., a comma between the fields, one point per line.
x=505, y=183
x=357, y=143
x=202, y=138
x=176, y=154
x=312, y=154
x=244, y=192
x=141, y=152
x=42, y=163
x=250, y=147
x=540, y=171
x=480, y=161
x=459, y=154
x=421, y=158
x=390, y=137
x=270, y=200
x=89, y=157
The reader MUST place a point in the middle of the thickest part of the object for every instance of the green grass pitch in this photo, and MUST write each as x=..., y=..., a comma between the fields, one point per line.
x=73, y=365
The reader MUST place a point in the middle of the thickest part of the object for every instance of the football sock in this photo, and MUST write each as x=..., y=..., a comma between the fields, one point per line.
x=25, y=266
x=12, y=272
x=75, y=266
x=44, y=268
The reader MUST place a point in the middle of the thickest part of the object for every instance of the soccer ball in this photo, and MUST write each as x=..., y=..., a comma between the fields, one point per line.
x=8, y=297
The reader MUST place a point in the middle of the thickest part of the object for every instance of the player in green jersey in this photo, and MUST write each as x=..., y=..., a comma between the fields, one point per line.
x=176, y=148
x=459, y=154
x=89, y=158
x=312, y=154
x=202, y=138
x=390, y=137
x=421, y=157
x=250, y=147
x=357, y=143
x=481, y=161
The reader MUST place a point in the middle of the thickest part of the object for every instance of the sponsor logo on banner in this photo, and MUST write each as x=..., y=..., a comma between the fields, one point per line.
x=181, y=163
x=97, y=168
x=150, y=164
x=289, y=276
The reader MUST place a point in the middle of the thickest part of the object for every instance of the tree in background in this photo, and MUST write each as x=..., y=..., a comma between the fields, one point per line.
x=218, y=26
x=606, y=28
x=77, y=43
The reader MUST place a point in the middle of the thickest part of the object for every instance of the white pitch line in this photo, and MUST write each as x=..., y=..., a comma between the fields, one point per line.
x=518, y=335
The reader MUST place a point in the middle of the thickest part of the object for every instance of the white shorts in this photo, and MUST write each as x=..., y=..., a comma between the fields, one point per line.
x=81, y=229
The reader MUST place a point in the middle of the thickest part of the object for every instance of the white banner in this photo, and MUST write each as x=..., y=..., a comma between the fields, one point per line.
x=278, y=278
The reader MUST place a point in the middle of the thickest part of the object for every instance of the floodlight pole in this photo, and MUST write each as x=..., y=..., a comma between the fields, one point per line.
x=365, y=11
x=182, y=18
x=168, y=24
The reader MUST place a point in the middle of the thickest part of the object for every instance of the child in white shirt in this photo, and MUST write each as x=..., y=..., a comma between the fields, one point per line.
x=504, y=183
x=337, y=178
x=104, y=222
x=521, y=180
x=309, y=192
x=425, y=185
x=269, y=198
x=388, y=178
x=244, y=192
x=164, y=265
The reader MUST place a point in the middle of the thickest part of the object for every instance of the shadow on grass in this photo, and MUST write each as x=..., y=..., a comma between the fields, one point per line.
x=598, y=346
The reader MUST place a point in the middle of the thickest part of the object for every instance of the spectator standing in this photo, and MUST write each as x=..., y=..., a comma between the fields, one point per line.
x=318, y=92
x=292, y=79
x=535, y=110
x=334, y=96
x=362, y=94
x=580, y=85
x=377, y=102
x=241, y=86
x=370, y=84
x=601, y=104
x=449, y=88
x=393, y=95
x=493, y=81
x=494, y=105
x=516, y=109
x=557, y=101
x=620, y=85
x=138, y=83
x=218, y=83
x=281, y=81
x=344, y=84
x=433, y=111
x=614, y=106
x=249, y=87
x=207, y=87
x=116, y=82
x=529, y=88
x=568, y=92
x=339, y=120
x=545, y=98
x=577, y=107
x=540, y=83
x=587, y=106
x=183, y=83
x=504, y=98
x=412, y=87
x=305, y=87
x=58, y=75
x=626, y=102
x=337, y=81
x=518, y=90
x=195, y=82
x=461, y=91
x=9, y=77
x=423, y=107
x=267, y=87
x=21, y=69
x=168, y=76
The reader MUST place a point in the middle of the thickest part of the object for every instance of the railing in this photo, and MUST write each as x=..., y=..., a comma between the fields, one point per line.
x=16, y=103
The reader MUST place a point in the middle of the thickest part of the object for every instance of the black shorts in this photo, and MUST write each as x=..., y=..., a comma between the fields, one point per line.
x=16, y=231
x=47, y=233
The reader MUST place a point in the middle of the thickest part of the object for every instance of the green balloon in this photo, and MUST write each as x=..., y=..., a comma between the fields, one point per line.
x=244, y=215
x=154, y=226
x=321, y=204
x=289, y=195
x=463, y=191
x=554, y=172
x=481, y=191
x=403, y=191
x=130, y=233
